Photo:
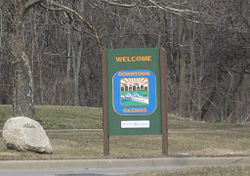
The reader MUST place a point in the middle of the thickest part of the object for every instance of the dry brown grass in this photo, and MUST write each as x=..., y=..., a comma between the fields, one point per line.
x=89, y=144
x=186, y=137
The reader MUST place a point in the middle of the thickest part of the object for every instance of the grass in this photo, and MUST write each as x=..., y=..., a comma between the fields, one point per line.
x=76, y=117
x=241, y=170
x=186, y=137
x=66, y=145
x=5, y=113
x=60, y=117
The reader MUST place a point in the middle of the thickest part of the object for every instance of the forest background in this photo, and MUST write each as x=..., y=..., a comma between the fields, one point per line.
x=60, y=43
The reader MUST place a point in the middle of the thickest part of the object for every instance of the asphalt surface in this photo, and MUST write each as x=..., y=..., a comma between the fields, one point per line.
x=84, y=172
x=105, y=167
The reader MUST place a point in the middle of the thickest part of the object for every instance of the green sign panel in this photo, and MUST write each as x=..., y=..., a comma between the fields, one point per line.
x=133, y=91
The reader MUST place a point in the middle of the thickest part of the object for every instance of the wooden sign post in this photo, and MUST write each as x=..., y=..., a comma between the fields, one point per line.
x=135, y=93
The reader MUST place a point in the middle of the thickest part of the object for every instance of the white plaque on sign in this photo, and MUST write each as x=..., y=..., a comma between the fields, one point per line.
x=135, y=124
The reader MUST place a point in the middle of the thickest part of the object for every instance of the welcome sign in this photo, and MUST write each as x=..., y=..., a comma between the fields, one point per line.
x=134, y=91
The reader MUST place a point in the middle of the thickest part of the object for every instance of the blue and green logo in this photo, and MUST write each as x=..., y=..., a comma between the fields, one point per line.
x=134, y=92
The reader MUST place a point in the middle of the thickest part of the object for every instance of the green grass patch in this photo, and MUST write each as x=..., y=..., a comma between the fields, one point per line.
x=6, y=112
x=186, y=137
x=78, y=117
x=60, y=117
x=241, y=170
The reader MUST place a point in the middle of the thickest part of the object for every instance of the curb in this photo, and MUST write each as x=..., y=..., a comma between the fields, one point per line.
x=122, y=163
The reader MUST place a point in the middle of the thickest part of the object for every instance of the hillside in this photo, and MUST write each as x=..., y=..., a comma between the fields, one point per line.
x=186, y=137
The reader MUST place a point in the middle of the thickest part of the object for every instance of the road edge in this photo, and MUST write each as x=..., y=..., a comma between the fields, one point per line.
x=122, y=163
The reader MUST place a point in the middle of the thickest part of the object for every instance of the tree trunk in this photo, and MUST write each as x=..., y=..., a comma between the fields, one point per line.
x=76, y=56
x=68, y=52
x=199, y=77
x=1, y=35
x=23, y=99
x=193, y=71
x=181, y=67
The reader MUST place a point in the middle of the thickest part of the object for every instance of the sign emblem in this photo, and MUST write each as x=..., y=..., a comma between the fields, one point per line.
x=134, y=92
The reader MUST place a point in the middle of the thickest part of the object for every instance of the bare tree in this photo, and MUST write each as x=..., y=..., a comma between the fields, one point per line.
x=23, y=98
x=23, y=86
x=57, y=44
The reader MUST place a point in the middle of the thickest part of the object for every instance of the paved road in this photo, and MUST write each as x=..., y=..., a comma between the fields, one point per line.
x=105, y=167
x=85, y=172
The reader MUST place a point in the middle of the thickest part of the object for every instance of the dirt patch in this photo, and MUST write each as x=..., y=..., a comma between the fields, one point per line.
x=8, y=154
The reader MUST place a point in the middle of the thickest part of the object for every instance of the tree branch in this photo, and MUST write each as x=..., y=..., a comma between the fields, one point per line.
x=31, y=3
x=120, y=5
x=184, y=13
x=50, y=8
x=174, y=10
x=67, y=9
